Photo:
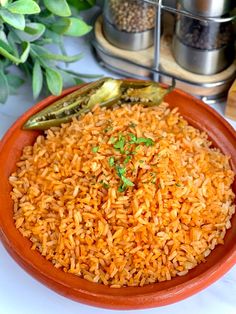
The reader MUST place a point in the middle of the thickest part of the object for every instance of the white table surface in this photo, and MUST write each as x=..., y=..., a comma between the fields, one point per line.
x=22, y=294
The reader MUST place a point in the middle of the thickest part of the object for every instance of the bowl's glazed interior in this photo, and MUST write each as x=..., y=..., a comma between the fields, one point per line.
x=218, y=262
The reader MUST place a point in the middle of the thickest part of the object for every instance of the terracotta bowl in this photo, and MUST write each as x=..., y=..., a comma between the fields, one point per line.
x=217, y=264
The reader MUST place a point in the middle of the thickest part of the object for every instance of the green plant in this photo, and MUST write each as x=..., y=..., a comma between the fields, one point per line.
x=27, y=27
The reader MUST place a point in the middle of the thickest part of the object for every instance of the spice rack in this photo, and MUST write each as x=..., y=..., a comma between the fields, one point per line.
x=157, y=62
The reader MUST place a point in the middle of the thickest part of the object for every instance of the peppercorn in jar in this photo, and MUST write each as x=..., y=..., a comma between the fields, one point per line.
x=203, y=43
x=129, y=24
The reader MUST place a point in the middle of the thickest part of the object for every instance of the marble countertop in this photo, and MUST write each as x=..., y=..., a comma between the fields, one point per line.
x=22, y=294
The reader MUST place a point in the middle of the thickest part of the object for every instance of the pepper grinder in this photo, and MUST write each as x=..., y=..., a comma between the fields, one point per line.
x=204, y=43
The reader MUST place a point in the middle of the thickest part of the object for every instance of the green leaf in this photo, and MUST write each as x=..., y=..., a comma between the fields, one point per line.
x=36, y=52
x=26, y=50
x=91, y=2
x=4, y=2
x=44, y=41
x=24, y=7
x=14, y=82
x=57, y=57
x=78, y=81
x=82, y=4
x=9, y=55
x=32, y=32
x=45, y=14
x=58, y=7
x=37, y=79
x=61, y=26
x=15, y=20
x=54, y=37
x=4, y=89
x=68, y=80
x=13, y=41
x=54, y=81
x=77, y=28
x=3, y=37
x=38, y=49
x=6, y=46
x=82, y=75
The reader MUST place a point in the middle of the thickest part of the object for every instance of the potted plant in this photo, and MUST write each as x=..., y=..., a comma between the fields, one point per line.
x=27, y=27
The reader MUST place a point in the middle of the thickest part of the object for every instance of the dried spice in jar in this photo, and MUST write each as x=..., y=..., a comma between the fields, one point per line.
x=204, y=34
x=130, y=15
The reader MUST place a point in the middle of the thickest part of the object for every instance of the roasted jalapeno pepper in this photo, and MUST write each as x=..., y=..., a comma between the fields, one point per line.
x=147, y=93
x=105, y=92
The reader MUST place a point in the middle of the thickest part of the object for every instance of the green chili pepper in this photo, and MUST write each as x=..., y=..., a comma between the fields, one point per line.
x=148, y=93
x=106, y=92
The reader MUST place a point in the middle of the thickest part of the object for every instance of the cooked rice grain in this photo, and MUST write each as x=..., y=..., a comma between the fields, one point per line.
x=66, y=198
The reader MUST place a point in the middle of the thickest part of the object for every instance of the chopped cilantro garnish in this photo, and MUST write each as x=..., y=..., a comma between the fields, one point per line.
x=108, y=128
x=132, y=125
x=125, y=181
x=146, y=141
x=112, y=140
x=127, y=159
x=95, y=149
x=111, y=161
x=120, y=171
x=120, y=144
x=105, y=185
x=141, y=161
x=138, y=140
x=121, y=188
x=177, y=184
x=133, y=138
x=125, y=184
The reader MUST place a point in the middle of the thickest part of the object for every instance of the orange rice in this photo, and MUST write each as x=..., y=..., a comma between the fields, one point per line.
x=175, y=210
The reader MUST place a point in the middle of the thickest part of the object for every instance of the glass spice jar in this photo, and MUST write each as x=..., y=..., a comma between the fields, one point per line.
x=129, y=24
x=203, y=46
x=204, y=34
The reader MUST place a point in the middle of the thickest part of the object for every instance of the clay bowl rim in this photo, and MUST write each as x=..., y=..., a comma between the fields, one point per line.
x=97, y=294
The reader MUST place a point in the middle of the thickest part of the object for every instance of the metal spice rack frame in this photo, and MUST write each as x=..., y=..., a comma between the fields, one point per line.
x=155, y=70
x=157, y=36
